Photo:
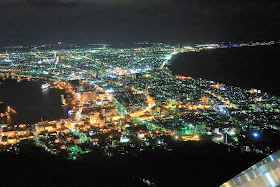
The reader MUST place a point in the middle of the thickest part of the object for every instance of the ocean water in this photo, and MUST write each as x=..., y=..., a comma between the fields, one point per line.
x=31, y=103
x=246, y=67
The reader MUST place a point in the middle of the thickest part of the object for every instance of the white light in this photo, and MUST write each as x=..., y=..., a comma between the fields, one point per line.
x=124, y=140
x=78, y=95
x=222, y=110
x=132, y=71
x=168, y=57
x=110, y=90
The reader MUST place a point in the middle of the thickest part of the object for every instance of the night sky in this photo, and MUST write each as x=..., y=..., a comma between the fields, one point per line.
x=193, y=21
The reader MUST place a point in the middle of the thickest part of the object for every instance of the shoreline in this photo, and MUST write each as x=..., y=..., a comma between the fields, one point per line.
x=40, y=105
x=244, y=67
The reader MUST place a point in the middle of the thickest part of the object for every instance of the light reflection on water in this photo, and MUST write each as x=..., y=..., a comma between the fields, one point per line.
x=31, y=103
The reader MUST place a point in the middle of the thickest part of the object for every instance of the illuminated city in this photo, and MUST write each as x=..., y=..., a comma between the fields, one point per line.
x=127, y=97
x=139, y=93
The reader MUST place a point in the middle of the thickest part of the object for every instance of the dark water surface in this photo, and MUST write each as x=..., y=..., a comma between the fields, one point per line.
x=31, y=102
x=246, y=67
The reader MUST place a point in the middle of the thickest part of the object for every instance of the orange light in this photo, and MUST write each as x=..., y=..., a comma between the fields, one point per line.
x=217, y=86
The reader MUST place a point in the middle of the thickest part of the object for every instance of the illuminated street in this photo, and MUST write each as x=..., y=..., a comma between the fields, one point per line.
x=114, y=102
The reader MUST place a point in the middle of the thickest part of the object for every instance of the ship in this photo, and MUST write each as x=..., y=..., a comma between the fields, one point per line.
x=45, y=86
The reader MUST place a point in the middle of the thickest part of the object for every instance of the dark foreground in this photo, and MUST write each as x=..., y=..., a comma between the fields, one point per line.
x=189, y=164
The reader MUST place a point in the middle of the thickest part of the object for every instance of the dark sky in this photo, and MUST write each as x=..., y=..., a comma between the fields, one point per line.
x=33, y=21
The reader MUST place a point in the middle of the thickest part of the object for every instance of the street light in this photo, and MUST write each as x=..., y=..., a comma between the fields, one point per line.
x=256, y=134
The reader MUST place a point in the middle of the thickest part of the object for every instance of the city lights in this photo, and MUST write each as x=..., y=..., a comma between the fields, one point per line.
x=256, y=135
x=114, y=97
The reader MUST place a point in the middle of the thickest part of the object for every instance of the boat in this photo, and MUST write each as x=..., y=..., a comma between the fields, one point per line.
x=45, y=86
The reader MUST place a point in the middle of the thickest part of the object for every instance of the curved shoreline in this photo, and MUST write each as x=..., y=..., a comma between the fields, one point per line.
x=246, y=67
x=32, y=104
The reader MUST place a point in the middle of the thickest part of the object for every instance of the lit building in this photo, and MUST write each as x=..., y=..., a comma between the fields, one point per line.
x=205, y=100
x=94, y=118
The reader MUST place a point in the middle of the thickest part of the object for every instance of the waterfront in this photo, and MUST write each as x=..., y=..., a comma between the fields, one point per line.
x=119, y=112
x=31, y=103
x=155, y=164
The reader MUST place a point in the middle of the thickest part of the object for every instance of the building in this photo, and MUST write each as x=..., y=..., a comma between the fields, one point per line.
x=94, y=118
x=205, y=100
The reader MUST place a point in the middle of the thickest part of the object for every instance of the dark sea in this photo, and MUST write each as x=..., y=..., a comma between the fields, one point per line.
x=245, y=67
x=31, y=103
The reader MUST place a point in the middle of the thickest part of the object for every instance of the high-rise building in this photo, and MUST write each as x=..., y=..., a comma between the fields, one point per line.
x=102, y=121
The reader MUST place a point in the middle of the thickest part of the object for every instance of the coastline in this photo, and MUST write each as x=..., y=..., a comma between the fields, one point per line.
x=246, y=67
x=31, y=102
